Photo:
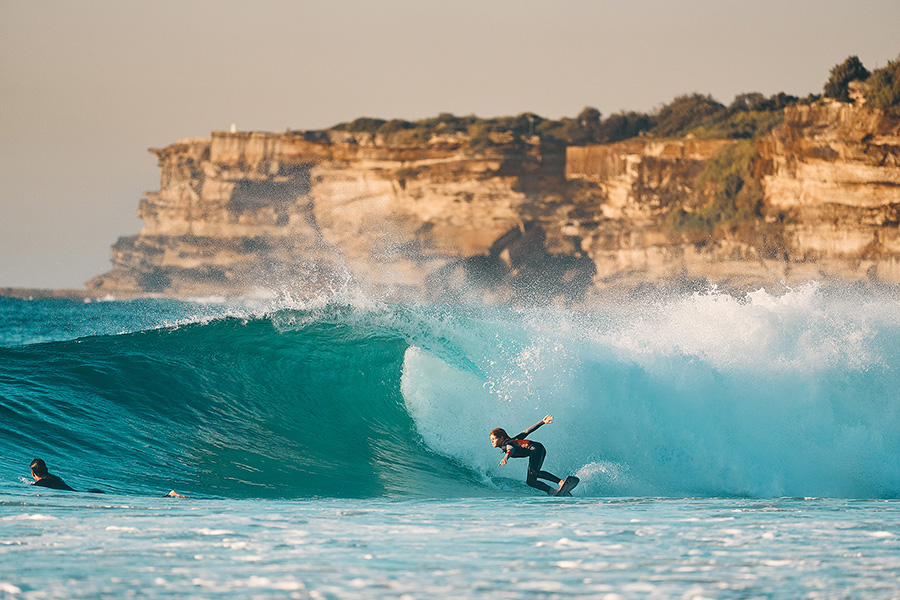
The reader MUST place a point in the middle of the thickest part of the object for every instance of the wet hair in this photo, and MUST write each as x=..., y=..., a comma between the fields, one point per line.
x=39, y=467
x=500, y=433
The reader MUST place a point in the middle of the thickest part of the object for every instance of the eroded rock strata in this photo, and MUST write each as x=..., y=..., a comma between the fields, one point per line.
x=306, y=212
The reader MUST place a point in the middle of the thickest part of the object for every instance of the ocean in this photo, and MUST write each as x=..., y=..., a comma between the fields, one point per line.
x=728, y=446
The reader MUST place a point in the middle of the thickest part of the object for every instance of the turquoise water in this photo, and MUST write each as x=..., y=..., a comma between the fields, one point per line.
x=728, y=447
x=78, y=547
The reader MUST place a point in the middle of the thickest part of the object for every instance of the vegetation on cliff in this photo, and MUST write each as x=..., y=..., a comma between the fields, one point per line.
x=838, y=84
x=736, y=195
x=884, y=88
x=729, y=193
x=749, y=116
x=701, y=116
x=881, y=88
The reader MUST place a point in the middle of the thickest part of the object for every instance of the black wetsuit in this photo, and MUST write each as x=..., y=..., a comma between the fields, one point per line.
x=53, y=482
x=519, y=447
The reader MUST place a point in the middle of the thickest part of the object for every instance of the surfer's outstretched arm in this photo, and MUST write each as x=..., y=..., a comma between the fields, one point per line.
x=547, y=419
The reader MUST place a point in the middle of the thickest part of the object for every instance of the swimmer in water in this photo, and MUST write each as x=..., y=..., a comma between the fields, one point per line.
x=44, y=478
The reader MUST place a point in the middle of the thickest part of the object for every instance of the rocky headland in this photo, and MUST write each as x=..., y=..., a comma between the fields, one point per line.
x=517, y=218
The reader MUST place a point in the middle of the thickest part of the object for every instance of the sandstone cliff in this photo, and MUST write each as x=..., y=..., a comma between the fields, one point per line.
x=832, y=176
x=520, y=220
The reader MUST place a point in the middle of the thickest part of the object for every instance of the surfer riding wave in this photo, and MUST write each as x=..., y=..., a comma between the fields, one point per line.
x=518, y=446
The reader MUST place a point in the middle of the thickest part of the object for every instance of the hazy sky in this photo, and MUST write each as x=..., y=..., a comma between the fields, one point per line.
x=86, y=87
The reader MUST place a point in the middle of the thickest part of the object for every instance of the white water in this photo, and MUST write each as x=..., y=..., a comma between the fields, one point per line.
x=70, y=546
x=707, y=395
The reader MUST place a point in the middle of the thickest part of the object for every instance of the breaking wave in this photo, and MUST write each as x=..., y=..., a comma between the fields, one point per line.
x=699, y=395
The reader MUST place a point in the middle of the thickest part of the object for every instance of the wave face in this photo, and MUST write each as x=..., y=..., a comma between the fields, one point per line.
x=289, y=405
x=699, y=395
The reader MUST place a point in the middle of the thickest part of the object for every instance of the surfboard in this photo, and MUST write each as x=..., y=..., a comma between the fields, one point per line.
x=568, y=485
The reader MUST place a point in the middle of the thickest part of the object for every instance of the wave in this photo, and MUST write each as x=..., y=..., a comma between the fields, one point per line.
x=702, y=395
x=233, y=407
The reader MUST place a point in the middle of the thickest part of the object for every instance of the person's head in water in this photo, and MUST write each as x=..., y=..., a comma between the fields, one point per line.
x=498, y=436
x=45, y=478
x=38, y=469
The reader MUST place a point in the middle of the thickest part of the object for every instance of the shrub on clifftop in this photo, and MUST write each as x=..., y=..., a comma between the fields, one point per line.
x=838, y=85
x=362, y=124
x=684, y=113
x=884, y=88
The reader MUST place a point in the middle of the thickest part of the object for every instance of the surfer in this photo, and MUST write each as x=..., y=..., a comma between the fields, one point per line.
x=519, y=447
x=45, y=478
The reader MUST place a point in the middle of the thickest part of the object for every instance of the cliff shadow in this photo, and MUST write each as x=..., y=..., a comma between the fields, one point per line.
x=281, y=197
x=518, y=269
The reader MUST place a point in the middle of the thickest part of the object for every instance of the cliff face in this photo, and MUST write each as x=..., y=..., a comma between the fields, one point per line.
x=295, y=212
x=302, y=212
x=832, y=176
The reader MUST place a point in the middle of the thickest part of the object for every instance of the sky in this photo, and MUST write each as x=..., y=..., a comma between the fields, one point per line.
x=87, y=87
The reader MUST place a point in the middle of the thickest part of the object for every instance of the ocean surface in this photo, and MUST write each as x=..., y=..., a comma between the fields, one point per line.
x=728, y=447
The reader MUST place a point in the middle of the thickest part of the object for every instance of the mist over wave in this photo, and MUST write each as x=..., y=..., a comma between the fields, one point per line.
x=699, y=395
x=704, y=394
